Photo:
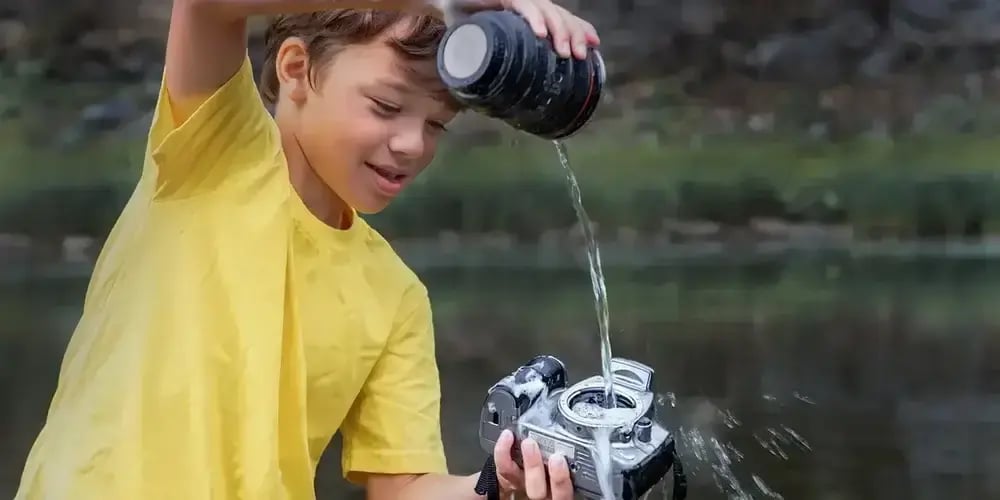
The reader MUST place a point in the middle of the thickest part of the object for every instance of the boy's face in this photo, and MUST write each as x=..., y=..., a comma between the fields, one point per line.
x=372, y=122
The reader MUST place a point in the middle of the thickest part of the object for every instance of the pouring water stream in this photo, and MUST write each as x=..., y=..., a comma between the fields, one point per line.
x=596, y=274
x=602, y=453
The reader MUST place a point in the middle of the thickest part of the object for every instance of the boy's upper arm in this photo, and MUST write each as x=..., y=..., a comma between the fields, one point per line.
x=394, y=426
x=204, y=50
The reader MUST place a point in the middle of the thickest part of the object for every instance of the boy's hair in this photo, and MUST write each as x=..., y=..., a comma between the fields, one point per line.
x=327, y=32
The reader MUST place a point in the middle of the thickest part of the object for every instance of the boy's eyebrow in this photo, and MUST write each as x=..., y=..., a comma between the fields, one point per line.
x=395, y=84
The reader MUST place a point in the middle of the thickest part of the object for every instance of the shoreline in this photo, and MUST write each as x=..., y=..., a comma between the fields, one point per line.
x=76, y=255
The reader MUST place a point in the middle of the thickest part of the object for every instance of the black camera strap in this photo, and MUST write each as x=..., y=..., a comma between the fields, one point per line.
x=488, y=484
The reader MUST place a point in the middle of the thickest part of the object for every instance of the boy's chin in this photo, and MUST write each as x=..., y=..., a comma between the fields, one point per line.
x=369, y=211
x=371, y=207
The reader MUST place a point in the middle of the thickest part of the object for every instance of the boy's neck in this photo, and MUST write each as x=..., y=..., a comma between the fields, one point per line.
x=317, y=197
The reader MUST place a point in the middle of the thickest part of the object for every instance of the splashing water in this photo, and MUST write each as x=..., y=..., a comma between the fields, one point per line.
x=709, y=452
x=596, y=275
x=721, y=457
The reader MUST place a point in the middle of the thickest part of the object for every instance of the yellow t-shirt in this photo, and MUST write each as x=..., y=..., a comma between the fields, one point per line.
x=227, y=334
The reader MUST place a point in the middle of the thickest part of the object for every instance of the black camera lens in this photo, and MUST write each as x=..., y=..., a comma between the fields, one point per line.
x=494, y=63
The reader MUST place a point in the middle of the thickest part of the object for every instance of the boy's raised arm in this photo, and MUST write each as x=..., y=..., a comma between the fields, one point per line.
x=207, y=41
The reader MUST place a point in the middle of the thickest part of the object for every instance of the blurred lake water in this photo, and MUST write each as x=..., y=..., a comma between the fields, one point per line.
x=831, y=377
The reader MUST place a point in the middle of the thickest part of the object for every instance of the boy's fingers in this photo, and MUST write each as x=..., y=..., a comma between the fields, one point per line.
x=577, y=33
x=561, y=485
x=506, y=468
x=590, y=32
x=558, y=27
x=535, y=482
x=533, y=14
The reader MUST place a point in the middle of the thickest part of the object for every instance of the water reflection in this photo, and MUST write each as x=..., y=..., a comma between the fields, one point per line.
x=799, y=379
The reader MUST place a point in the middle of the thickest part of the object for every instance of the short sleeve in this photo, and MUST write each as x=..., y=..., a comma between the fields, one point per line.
x=394, y=427
x=231, y=134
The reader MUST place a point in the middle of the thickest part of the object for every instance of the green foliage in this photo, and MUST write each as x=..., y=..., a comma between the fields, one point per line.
x=934, y=294
x=916, y=187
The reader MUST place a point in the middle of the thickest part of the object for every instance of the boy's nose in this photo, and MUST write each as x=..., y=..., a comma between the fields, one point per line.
x=408, y=142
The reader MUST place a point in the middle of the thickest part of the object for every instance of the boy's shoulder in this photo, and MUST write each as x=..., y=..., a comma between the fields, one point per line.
x=224, y=139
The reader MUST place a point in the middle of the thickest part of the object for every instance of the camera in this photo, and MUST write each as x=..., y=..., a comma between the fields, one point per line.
x=622, y=450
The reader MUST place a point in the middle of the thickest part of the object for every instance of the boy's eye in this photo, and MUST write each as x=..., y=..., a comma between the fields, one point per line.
x=440, y=127
x=385, y=107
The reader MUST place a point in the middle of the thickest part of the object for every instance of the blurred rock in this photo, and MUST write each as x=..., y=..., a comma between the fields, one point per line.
x=13, y=37
x=639, y=35
x=691, y=230
x=80, y=249
x=689, y=52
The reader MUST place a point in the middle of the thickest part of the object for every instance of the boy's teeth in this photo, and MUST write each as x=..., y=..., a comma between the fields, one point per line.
x=387, y=174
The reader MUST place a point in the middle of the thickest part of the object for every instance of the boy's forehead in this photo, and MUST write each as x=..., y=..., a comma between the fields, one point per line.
x=417, y=76
x=386, y=65
x=382, y=58
x=422, y=74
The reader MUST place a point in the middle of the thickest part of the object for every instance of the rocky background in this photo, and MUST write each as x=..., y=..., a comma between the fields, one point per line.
x=852, y=119
x=828, y=67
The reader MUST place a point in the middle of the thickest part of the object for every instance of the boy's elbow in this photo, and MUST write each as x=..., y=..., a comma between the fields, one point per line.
x=196, y=5
x=388, y=486
x=200, y=4
x=223, y=9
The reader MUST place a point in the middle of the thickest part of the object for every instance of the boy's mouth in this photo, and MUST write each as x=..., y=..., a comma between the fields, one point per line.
x=388, y=181
x=389, y=175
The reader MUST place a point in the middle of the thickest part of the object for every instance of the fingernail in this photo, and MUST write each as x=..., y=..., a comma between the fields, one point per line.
x=506, y=434
x=557, y=459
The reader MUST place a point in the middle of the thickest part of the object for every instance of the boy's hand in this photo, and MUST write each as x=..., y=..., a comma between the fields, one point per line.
x=532, y=481
x=570, y=34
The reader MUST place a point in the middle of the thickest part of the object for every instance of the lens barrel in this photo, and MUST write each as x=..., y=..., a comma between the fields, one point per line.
x=494, y=63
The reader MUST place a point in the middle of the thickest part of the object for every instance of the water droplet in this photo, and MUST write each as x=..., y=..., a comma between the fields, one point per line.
x=804, y=399
x=729, y=419
x=771, y=446
x=668, y=398
x=801, y=441
x=733, y=452
x=777, y=435
x=764, y=488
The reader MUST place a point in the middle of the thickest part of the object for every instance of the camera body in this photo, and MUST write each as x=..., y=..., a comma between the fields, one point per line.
x=624, y=449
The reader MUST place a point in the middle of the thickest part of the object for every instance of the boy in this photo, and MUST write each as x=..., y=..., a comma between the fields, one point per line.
x=241, y=312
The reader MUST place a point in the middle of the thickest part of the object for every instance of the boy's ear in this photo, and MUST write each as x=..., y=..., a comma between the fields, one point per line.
x=292, y=68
